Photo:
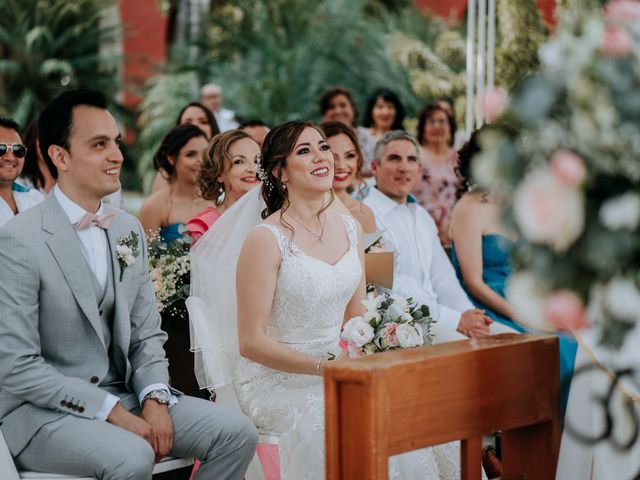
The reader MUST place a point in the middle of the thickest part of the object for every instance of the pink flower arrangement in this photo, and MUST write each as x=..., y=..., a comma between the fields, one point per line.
x=565, y=311
x=616, y=42
x=568, y=167
x=493, y=103
x=622, y=11
x=390, y=322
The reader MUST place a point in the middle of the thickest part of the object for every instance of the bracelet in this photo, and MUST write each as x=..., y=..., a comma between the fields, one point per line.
x=319, y=364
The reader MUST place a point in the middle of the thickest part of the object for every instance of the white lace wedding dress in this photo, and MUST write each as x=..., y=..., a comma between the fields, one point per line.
x=308, y=309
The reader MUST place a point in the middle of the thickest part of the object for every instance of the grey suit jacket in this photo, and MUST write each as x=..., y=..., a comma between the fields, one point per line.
x=52, y=352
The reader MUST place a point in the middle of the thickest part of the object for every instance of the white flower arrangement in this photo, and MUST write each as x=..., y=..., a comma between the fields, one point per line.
x=127, y=249
x=169, y=269
x=390, y=322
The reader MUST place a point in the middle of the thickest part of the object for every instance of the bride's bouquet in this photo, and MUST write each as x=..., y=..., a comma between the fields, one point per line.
x=390, y=322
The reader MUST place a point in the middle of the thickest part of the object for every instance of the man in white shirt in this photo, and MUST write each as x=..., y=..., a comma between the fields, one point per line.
x=14, y=198
x=211, y=96
x=83, y=376
x=422, y=269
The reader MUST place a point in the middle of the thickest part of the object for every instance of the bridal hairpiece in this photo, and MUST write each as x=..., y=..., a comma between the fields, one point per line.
x=260, y=171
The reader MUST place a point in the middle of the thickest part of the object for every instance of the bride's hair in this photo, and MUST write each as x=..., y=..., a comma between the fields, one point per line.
x=277, y=146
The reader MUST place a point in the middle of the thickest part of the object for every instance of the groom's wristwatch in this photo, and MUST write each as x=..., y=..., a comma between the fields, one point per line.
x=161, y=396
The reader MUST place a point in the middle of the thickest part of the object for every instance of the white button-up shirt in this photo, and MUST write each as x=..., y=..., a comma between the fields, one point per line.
x=93, y=239
x=24, y=198
x=422, y=269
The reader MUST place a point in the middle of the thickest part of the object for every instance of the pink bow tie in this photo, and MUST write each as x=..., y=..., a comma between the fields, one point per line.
x=90, y=219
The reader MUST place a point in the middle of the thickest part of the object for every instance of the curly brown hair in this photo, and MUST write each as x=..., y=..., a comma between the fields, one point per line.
x=214, y=165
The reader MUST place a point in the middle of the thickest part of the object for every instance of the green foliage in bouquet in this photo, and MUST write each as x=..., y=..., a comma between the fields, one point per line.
x=170, y=268
x=564, y=155
x=48, y=46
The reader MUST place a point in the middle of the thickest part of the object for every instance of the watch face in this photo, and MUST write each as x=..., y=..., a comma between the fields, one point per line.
x=159, y=395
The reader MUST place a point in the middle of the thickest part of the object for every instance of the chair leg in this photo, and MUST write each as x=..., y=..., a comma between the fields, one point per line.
x=254, y=472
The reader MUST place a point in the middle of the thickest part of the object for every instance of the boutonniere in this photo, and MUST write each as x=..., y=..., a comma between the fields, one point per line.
x=127, y=249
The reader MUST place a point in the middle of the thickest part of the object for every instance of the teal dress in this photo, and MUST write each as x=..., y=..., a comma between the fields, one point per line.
x=496, y=268
x=171, y=232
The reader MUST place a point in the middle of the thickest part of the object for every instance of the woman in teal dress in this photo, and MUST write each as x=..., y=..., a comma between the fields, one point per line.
x=163, y=214
x=480, y=253
x=166, y=211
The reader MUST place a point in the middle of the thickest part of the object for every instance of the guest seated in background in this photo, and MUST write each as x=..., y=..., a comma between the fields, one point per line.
x=347, y=163
x=256, y=128
x=337, y=105
x=228, y=171
x=179, y=156
x=384, y=112
x=437, y=187
x=37, y=173
x=83, y=381
x=14, y=198
x=480, y=254
x=196, y=114
x=422, y=269
x=211, y=96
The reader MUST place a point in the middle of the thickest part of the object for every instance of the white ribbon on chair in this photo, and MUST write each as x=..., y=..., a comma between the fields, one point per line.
x=212, y=303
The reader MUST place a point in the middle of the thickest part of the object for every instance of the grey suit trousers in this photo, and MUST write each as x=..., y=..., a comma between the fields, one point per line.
x=223, y=439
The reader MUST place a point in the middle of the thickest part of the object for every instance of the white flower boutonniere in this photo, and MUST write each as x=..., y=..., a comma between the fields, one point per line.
x=127, y=249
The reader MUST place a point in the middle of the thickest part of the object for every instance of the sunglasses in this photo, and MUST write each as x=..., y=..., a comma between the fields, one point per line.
x=18, y=150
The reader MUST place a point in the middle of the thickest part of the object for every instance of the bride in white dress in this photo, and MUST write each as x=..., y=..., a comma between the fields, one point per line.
x=299, y=277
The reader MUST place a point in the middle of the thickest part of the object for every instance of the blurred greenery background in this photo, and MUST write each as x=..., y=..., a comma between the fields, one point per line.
x=273, y=59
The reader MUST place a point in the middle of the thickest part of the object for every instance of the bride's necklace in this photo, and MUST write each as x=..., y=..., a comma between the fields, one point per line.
x=319, y=237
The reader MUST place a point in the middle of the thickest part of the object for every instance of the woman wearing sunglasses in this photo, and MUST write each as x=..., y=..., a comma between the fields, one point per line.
x=14, y=198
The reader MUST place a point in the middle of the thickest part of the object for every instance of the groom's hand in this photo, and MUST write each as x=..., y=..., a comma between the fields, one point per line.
x=157, y=416
x=121, y=417
x=474, y=323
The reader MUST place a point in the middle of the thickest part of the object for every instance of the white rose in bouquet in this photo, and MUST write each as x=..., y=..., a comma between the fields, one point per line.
x=357, y=331
x=409, y=335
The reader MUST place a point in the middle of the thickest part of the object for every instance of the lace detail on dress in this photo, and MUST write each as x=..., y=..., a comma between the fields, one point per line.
x=307, y=312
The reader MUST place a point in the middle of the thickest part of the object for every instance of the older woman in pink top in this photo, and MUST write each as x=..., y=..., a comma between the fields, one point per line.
x=228, y=171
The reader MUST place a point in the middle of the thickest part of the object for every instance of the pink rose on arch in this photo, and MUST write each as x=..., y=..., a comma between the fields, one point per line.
x=493, y=103
x=548, y=211
x=388, y=334
x=564, y=310
x=622, y=11
x=616, y=42
x=568, y=167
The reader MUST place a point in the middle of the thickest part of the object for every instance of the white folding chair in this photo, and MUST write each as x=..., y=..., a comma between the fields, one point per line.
x=8, y=469
x=227, y=397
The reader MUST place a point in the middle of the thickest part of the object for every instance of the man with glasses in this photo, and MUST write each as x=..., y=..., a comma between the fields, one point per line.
x=14, y=198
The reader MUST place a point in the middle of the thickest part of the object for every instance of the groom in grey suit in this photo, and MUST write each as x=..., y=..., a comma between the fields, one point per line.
x=83, y=375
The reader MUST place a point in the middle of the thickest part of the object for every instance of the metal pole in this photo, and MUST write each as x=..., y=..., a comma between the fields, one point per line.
x=482, y=42
x=491, y=45
x=471, y=20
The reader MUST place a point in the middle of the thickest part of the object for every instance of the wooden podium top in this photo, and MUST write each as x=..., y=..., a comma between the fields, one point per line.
x=412, y=398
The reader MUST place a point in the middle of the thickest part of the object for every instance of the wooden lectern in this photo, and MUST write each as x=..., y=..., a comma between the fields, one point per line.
x=404, y=400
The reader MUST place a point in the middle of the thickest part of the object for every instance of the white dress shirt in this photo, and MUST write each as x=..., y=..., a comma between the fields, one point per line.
x=94, y=244
x=422, y=269
x=24, y=198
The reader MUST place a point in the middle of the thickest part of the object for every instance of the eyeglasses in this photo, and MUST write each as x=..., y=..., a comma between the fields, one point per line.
x=440, y=122
x=18, y=149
